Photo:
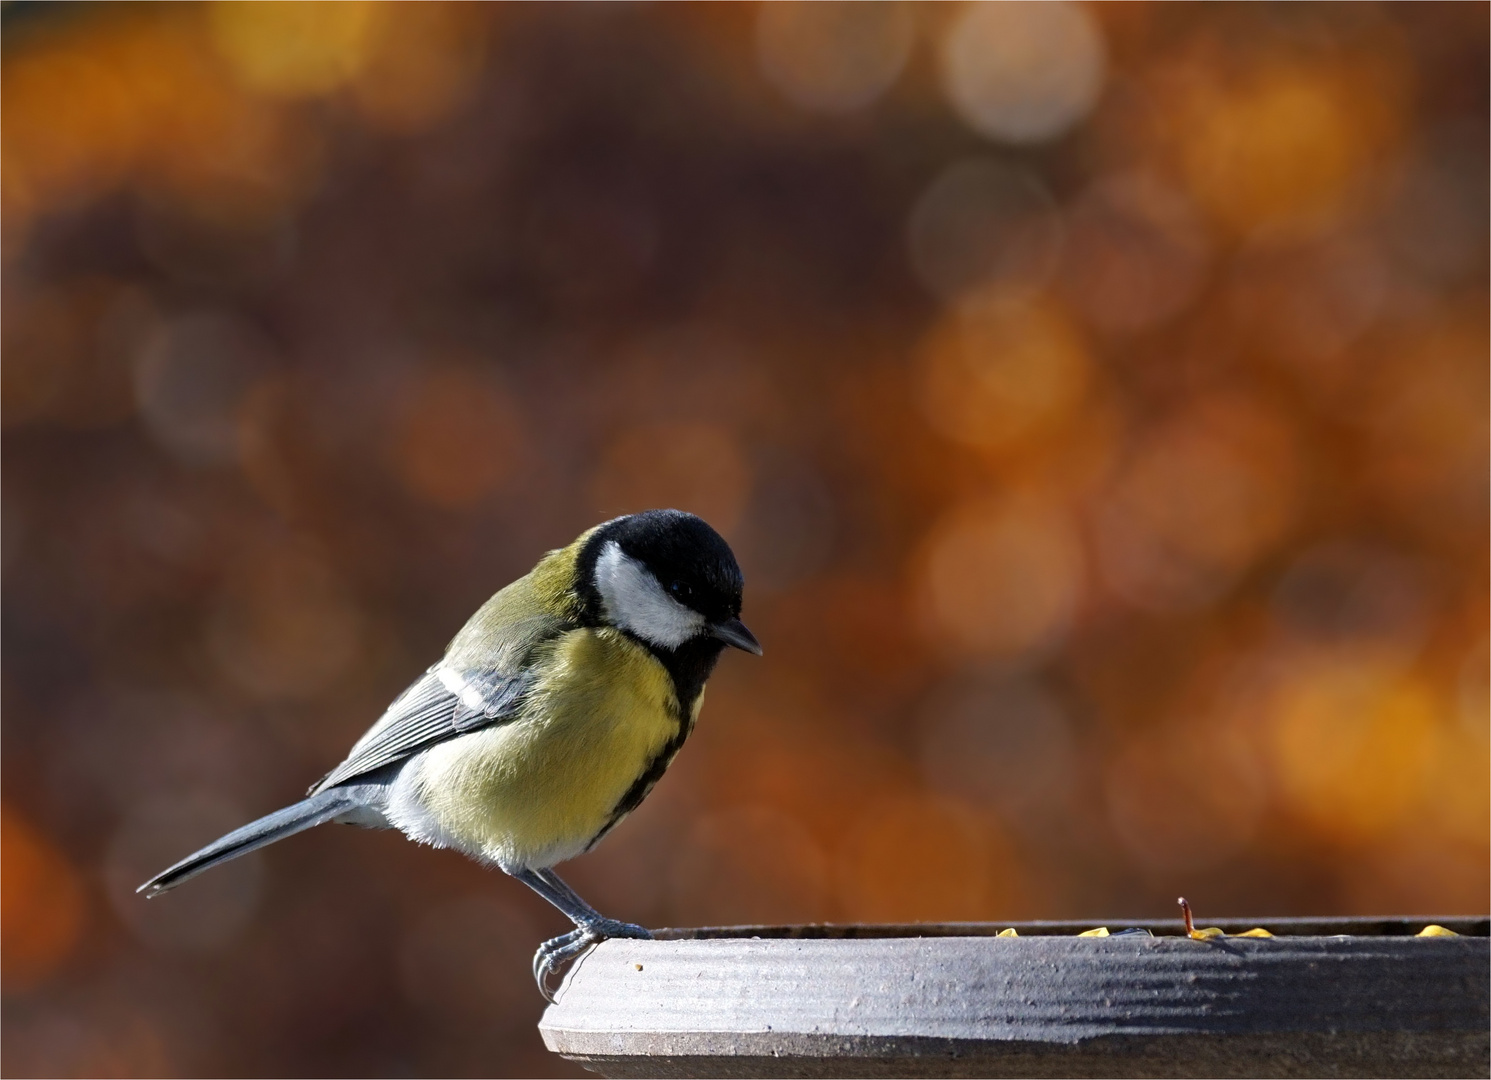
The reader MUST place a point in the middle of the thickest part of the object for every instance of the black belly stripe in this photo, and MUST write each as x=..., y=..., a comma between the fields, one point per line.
x=688, y=667
x=643, y=785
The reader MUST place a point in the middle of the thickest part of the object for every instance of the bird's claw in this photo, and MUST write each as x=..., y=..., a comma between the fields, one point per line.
x=553, y=954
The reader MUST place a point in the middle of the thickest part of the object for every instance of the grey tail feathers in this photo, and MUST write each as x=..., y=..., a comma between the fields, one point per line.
x=306, y=814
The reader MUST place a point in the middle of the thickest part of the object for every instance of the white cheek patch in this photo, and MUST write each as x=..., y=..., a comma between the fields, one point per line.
x=635, y=600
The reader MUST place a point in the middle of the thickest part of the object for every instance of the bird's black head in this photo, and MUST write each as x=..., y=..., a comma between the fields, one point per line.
x=666, y=578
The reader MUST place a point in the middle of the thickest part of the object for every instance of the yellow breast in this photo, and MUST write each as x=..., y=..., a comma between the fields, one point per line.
x=537, y=790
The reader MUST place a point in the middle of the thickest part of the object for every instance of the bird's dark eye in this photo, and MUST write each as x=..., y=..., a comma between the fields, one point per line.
x=680, y=589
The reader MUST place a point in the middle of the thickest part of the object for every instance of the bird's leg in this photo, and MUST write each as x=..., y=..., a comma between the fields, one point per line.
x=596, y=921
x=590, y=926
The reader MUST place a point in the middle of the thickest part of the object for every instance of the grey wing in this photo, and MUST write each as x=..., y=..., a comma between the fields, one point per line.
x=440, y=705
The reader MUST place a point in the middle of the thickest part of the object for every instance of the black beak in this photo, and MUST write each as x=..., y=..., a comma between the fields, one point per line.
x=734, y=632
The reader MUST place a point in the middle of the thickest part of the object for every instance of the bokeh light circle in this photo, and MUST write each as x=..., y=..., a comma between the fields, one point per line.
x=1136, y=253
x=985, y=223
x=1000, y=579
x=833, y=56
x=1023, y=72
x=191, y=379
x=995, y=373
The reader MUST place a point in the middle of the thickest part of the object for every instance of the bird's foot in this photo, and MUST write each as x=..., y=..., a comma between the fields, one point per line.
x=553, y=954
x=607, y=928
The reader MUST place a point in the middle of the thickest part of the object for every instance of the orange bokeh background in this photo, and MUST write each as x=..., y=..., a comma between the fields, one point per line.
x=1095, y=395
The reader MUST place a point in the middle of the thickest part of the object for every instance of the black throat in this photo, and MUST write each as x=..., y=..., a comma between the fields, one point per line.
x=689, y=665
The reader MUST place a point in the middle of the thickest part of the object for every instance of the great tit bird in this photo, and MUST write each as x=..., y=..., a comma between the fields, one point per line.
x=554, y=712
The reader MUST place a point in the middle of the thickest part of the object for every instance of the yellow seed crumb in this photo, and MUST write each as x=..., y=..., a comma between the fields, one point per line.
x=1435, y=930
x=637, y=966
x=1008, y=933
x=1207, y=934
x=1257, y=931
x=1101, y=931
